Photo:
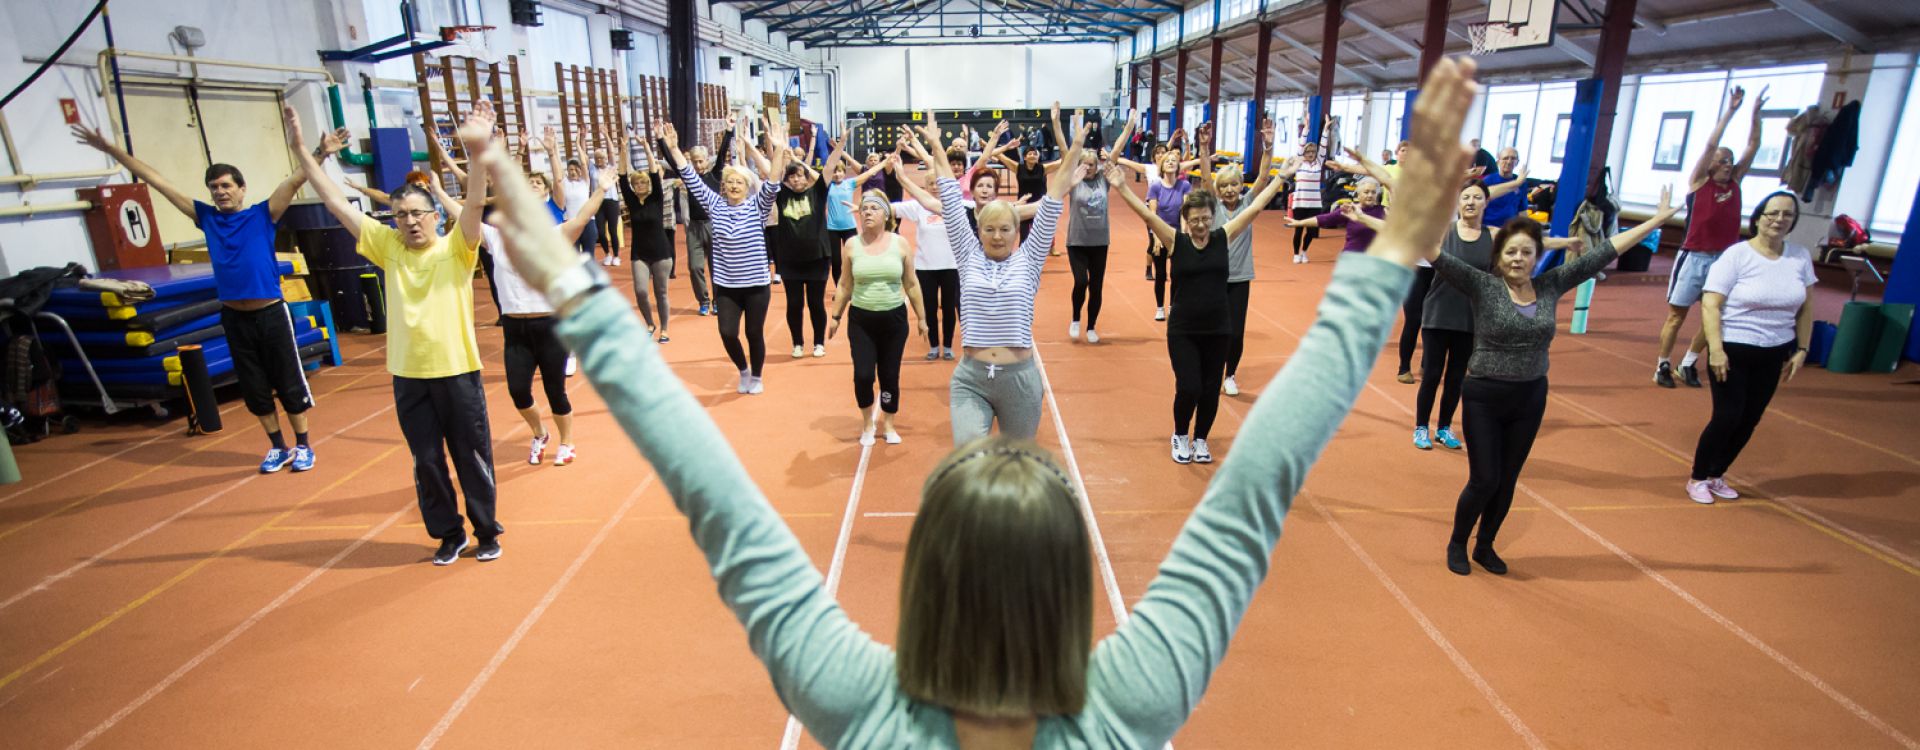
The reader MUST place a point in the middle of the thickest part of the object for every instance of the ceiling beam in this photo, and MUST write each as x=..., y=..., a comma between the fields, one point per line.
x=1573, y=49
x=1826, y=23
x=1315, y=55
x=1383, y=35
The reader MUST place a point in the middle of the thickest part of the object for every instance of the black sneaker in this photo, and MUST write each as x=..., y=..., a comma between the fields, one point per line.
x=1457, y=559
x=489, y=549
x=1691, y=376
x=450, y=550
x=1663, y=377
x=1490, y=561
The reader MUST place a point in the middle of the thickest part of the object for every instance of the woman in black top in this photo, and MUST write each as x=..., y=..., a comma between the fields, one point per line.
x=1030, y=178
x=1198, y=326
x=652, y=251
x=801, y=252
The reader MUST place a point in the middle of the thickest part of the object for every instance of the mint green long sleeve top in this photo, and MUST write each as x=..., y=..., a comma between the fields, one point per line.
x=1144, y=680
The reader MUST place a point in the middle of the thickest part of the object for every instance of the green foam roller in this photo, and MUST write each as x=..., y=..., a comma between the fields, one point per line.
x=9, y=470
x=1853, y=344
x=1895, y=321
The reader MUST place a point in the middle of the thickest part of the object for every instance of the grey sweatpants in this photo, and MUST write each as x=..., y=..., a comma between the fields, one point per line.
x=699, y=238
x=980, y=393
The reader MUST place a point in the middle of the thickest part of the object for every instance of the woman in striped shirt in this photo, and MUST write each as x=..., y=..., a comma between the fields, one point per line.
x=997, y=379
x=741, y=285
x=1307, y=204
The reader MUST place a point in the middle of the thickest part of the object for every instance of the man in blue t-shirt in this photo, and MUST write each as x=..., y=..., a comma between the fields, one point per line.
x=1502, y=208
x=258, y=325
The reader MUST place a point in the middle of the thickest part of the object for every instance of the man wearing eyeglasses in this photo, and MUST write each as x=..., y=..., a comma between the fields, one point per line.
x=253, y=314
x=431, y=350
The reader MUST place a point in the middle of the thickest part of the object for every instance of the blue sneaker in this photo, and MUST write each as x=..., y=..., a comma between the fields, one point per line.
x=1420, y=439
x=706, y=309
x=277, y=459
x=302, y=458
x=1446, y=438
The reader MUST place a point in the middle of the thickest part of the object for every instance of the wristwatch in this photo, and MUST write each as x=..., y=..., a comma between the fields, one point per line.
x=576, y=285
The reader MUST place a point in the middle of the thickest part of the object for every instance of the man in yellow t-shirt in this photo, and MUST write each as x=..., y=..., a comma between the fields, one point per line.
x=431, y=350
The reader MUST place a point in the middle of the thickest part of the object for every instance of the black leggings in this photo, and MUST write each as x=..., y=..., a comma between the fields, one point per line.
x=941, y=289
x=589, y=237
x=838, y=245
x=877, y=340
x=1157, y=265
x=1197, y=363
x=1303, y=237
x=1089, y=264
x=1502, y=419
x=813, y=292
x=1443, y=358
x=531, y=344
x=1411, y=309
x=1753, y=373
x=609, y=220
x=731, y=303
x=1237, y=298
x=486, y=267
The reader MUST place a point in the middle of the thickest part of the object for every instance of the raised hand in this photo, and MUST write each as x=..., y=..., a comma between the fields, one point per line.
x=90, y=137
x=609, y=181
x=551, y=140
x=527, y=140
x=336, y=141
x=1429, y=173
x=295, y=137
x=1666, y=209
x=1733, y=102
x=476, y=132
x=1760, y=103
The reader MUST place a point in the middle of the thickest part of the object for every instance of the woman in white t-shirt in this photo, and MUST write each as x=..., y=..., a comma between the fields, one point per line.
x=1757, y=315
x=933, y=265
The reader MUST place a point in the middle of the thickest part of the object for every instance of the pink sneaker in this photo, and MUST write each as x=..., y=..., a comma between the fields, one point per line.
x=1718, y=486
x=539, y=447
x=1698, y=492
x=565, y=456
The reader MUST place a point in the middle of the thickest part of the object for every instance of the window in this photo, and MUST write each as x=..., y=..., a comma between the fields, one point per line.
x=1169, y=30
x=1895, y=202
x=1771, y=158
x=562, y=39
x=1509, y=132
x=1670, y=146
x=1199, y=20
x=1561, y=127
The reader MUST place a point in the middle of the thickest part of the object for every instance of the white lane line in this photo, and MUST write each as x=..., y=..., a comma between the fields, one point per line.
x=1114, y=600
x=233, y=634
x=790, y=738
x=526, y=624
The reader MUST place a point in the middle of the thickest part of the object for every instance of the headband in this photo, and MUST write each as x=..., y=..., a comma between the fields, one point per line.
x=1065, y=483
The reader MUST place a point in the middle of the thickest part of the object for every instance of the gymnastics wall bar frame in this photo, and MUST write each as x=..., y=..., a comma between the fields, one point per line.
x=501, y=84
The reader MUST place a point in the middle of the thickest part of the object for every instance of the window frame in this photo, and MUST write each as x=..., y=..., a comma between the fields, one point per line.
x=1786, y=147
x=1659, y=136
x=1562, y=134
x=1509, y=124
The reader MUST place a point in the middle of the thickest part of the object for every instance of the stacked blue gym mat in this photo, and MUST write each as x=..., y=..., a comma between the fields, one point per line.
x=134, y=347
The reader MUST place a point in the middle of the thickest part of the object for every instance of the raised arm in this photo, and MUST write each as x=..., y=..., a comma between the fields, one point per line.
x=1180, y=630
x=282, y=196
x=1702, y=169
x=373, y=194
x=1244, y=219
x=570, y=229
x=1160, y=229
x=1745, y=164
x=476, y=137
x=140, y=169
x=556, y=166
x=336, y=202
x=441, y=157
x=824, y=668
x=1519, y=178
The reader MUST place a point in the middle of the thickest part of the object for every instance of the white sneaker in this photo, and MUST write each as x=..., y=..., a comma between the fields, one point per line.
x=1159, y=313
x=606, y=261
x=1092, y=338
x=1699, y=492
x=753, y=385
x=746, y=380
x=1073, y=330
x=866, y=436
x=1200, y=453
x=819, y=350
x=1182, y=450
x=616, y=260
x=893, y=438
x=539, y=448
x=1230, y=387
x=573, y=365
x=799, y=351
x=564, y=456
x=1718, y=486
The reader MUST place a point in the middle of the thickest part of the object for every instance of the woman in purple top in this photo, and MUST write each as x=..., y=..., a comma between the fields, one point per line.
x=1366, y=202
x=1164, y=196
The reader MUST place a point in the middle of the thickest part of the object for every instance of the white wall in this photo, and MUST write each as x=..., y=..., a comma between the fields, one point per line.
x=974, y=76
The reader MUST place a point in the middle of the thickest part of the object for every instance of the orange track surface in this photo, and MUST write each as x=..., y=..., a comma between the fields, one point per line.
x=156, y=592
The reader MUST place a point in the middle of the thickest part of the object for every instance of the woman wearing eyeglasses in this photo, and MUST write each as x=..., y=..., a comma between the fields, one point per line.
x=1757, y=315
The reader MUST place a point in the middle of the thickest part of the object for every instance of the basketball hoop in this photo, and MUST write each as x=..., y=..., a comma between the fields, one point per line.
x=1477, y=34
x=467, y=41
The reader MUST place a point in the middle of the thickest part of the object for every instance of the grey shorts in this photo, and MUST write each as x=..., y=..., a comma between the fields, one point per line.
x=1689, y=277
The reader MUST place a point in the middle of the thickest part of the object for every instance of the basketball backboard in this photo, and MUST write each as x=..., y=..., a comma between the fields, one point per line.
x=1515, y=24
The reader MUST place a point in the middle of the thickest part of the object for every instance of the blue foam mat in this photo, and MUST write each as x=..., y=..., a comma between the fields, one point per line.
x=217, y=368
x=168, y=282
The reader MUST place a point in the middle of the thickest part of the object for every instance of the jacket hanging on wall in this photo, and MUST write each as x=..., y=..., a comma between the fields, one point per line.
x=1836, y=150
x=1806, y=130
